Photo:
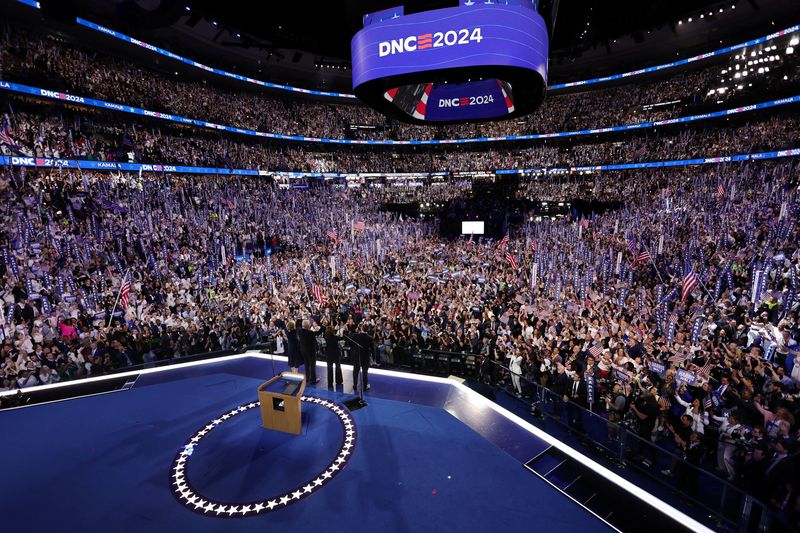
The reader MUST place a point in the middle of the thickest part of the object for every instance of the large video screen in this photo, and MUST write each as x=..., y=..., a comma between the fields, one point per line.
x=472, y=227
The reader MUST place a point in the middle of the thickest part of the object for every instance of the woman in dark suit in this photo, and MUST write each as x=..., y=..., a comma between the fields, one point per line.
x=333, y=355
x=293, y=347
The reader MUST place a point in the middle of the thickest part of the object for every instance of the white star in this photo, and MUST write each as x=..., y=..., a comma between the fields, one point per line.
x=327, y=474
x=220, y=509
x=271, y=504
x=318, y=482
x=210, y=427
x=245, y=509
x=225, y=416
x=308, y=488
x=285, y=500
x=334, y=467
x=242, y=409
x=233, y=509
x=199, y=504
x=296, y=494
x=209, y=507
x=258, y=507
x=192, y=499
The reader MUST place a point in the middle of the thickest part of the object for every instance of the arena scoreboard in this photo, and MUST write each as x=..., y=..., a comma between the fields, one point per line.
x=481, y=60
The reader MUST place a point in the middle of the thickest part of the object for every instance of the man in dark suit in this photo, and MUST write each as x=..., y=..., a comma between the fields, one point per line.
x=560, y=386
x=363, y=348
x=576, y=395
x=308, y=349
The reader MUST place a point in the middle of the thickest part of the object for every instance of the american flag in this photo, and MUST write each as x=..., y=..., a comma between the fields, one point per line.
x=533, y=245
x=359, y=226
x=511, y=261
x=707, y=403
x=673, y=317
x=706, y=370
x=503, y=242
x=643, y=257
x=123, y=294
x=333, y=236
x=5, y=137
x=721, y=190
x=689, y=283
x=595, y=351
x=316, y=290
x=632, y=246
x=677, y=359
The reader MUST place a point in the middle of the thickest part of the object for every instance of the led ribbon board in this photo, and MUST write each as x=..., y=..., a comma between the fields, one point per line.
x=473, y=62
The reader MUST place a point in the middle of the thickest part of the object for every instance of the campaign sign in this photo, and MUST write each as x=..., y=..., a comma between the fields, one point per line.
x=685, y=376
x=657, y=367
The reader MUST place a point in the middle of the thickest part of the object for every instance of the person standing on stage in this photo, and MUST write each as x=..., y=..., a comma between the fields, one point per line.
x=293, y=347
x=333, y=356
x=308, y=350
x=363, y=352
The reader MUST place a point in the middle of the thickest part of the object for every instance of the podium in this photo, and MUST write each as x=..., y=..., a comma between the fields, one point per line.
x=280, y=399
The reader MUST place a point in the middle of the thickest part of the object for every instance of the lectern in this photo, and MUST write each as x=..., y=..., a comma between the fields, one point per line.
x=280, y=399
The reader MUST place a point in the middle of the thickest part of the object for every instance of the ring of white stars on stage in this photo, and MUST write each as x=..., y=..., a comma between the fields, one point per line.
x=186, y=494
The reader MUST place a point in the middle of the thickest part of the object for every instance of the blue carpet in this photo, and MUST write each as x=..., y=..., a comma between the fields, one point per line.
x=102, y=464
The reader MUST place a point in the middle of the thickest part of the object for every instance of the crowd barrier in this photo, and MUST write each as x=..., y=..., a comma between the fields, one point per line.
x=112, y=166
x=113, y=106
x=727, y=502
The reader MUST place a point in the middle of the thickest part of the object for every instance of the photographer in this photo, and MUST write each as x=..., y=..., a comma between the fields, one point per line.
x=731, y=433
x=616, y=407
x=646, y=410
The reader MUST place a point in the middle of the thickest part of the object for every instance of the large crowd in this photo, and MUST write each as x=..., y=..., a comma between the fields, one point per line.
x=63, y=133
x=51, y=62
x=680, y=306
x=193, y=250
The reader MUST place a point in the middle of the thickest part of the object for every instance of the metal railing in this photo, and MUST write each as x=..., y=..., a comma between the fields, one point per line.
x=730, y=505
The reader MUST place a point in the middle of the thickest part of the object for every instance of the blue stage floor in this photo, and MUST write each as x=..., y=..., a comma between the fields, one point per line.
x=425, y=459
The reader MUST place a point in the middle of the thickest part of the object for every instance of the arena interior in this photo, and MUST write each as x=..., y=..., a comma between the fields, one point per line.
x=283, y=267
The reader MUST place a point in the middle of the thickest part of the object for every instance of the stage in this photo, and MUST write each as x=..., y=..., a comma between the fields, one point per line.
x=426, y=454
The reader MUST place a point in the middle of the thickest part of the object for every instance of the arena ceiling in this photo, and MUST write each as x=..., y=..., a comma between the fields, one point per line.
x=309, y=44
